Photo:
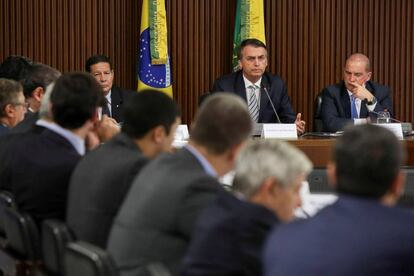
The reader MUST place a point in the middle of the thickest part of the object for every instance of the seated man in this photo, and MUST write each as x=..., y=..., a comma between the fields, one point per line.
x=230, y=233
x=100, y=67
x=252, y=83
x=355, y=97
x=156, y=221
x=103, y=177
x=12, y=105
x=363, y=233
x=40, y=167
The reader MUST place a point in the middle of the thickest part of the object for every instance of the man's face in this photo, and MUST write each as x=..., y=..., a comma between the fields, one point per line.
x=104, y=75
x=287, y=199
x=355, y=72
x=253, y=62
x=19, y=109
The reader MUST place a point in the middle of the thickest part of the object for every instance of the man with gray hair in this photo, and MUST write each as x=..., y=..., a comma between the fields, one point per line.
x=156, y=221
x=230, y=233
x=12, y=105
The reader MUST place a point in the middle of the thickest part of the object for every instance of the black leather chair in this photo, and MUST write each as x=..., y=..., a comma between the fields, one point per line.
x=6, y=201
x=82, y=258
x=317, y=118
x=55, y=237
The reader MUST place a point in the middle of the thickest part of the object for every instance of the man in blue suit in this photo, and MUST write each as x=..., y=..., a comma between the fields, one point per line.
x=252, y=82
x=230, y=233
x=362, y=233
x=355, y=97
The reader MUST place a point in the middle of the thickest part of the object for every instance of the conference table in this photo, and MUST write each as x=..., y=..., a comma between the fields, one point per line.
x=319, y=150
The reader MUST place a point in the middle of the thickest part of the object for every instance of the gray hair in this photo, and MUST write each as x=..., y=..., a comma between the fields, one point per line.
x=263, y=159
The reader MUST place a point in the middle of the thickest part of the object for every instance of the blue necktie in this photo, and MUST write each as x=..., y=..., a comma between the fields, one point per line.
x=354, y=112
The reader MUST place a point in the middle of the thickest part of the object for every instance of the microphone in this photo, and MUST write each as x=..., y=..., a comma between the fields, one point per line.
x=271, y=103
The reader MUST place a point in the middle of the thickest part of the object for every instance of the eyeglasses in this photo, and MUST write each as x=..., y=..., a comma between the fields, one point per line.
x=25, y=105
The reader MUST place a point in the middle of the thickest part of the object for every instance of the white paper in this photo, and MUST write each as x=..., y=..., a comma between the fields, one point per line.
x=281, y=131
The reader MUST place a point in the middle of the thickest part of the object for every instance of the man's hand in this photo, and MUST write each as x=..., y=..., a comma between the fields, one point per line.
x=361, y=92
x=300, y=125
x=106, y=128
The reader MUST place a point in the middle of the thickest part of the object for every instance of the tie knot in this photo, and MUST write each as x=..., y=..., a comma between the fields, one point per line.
x=252, y=87
x=353, y=98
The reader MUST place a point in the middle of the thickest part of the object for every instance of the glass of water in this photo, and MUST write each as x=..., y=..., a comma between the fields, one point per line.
x=383, y=117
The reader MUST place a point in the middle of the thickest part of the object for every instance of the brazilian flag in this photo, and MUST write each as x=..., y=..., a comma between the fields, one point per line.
x=154, y=69
x=249, y=24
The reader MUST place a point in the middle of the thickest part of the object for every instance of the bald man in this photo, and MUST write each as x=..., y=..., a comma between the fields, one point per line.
x=355, y=97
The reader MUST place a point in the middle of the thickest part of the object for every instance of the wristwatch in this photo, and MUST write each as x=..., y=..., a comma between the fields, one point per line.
x=372, y=102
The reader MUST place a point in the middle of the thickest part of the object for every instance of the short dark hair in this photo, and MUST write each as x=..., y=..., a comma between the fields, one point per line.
x=74, y=99
x=146, y=110
x=9, y=90
x=15, y=67
x=222, y=121
x=97, y=59
x=39, y=75
x=249, y=42
x=368, y=159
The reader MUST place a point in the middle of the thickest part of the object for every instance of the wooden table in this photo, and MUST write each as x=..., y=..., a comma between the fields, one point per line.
x=319, y=150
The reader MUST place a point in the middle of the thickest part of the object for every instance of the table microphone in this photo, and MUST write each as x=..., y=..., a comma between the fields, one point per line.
x=365, y=101
x=271, y=103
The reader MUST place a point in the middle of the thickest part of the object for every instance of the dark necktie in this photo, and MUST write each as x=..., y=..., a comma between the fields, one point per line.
x=105, y=109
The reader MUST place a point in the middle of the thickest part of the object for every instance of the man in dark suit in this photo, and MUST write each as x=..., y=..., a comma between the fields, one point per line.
x=252, y=82
x=355, y=97
x=41, y=165
x=363, y=233
x=230, y=233
x=103, y=177
x=156, y=221
x=12, y=105
x=100, y=67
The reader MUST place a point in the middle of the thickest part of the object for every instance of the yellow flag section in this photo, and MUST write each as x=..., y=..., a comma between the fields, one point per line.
x=249, y=24
x=154, y=70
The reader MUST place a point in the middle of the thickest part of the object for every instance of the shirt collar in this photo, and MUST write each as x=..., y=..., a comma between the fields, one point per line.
x=77, y=142
x=208, y=168
x=248, y=83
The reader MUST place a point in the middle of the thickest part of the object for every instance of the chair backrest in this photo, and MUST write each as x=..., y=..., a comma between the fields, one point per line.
x=82, y=258
x=55, y=237
x=6, y=201
x=317, y=115
x=22, y=235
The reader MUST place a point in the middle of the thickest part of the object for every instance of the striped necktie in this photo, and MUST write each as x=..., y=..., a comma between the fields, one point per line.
x=253, y=104
x=354, y=112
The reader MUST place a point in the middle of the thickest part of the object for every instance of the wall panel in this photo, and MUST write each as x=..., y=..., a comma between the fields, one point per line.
x=308, y=42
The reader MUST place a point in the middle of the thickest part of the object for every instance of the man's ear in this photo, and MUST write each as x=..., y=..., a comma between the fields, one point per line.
x=38, y=93
x=158, y=134
x=369, y=76
x=331, y=173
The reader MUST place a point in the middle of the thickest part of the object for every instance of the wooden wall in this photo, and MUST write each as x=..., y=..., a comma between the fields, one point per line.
x=308, y=42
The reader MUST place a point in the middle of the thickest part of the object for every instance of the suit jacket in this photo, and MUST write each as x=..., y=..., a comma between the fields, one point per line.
x=39, y=171
x=276, y=88
x=229, y=238
x=27, y=124
x=119, y=97
x=336, y=106
x=4, y=130
x=98, y=187
x=354, y=236
x=156, y=221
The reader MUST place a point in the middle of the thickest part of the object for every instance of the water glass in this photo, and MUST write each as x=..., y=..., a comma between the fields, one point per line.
x=383, y=117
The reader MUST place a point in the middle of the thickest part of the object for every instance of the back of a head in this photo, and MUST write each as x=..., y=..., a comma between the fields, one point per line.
x=9, y=92
x=146, y=110
x=367, y=159
x=222, y=121
x=74, y=99
x=96, y=59
x=15, y=67
x=39, y=75
x=263, y=159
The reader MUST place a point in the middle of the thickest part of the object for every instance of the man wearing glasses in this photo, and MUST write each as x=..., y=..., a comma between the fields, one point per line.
x=12, y=105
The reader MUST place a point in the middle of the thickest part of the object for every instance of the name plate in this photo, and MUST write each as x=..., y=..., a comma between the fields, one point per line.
x=182, y=133
x=394, y=128
x=280, y=131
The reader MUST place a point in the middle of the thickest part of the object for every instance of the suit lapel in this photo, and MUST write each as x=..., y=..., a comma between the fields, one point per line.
x=346, y=104
x=115, y=103
x=239, y=86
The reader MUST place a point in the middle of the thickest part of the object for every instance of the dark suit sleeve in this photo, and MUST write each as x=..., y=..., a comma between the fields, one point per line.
x=332, y=120
x=285, y=110
x=197, y=197
x=216, y=86
x=384, y=101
